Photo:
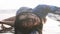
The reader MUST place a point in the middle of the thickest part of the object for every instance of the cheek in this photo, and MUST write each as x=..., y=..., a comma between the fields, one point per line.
x=37, y=21
x=27, y=24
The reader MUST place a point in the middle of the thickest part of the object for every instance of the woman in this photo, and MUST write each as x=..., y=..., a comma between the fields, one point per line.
x=28, y=22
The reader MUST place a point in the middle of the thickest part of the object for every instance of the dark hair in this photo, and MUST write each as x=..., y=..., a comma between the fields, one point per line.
x=18, y=23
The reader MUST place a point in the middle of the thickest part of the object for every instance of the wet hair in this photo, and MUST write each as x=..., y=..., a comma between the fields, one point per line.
x=23, y=9
x=22, y=24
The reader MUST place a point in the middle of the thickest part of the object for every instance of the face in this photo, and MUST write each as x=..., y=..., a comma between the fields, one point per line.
x=29, y=20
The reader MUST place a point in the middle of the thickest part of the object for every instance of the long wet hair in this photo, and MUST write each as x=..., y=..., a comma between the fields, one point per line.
x=26, y=28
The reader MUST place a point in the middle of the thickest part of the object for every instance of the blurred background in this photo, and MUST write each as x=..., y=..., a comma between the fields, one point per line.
x=8, y=9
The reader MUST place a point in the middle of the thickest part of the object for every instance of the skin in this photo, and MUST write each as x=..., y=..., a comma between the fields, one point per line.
x=8, y=21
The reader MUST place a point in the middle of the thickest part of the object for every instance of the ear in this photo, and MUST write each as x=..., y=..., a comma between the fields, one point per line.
x=44, y=20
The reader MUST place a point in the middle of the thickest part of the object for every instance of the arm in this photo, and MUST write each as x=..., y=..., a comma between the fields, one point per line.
x=8, y=21
x=11, y=23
